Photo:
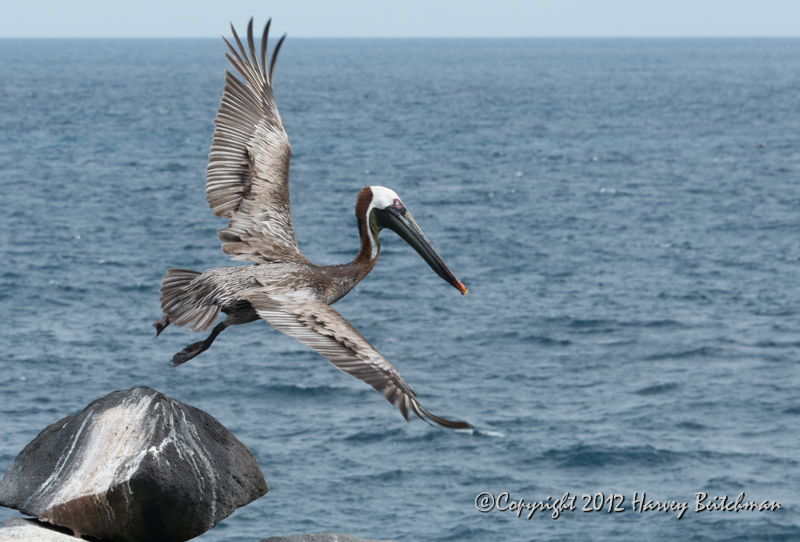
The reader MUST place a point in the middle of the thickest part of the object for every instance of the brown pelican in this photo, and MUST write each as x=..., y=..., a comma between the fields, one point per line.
x=247, y=181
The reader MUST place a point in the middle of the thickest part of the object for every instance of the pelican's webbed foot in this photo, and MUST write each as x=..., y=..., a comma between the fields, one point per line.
x=197, y=348
x=189, y=352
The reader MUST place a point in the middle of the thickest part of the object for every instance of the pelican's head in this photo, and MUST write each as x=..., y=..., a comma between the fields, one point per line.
x=381, y=208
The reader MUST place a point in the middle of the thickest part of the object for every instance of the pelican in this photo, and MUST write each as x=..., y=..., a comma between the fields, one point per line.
x=247, y=182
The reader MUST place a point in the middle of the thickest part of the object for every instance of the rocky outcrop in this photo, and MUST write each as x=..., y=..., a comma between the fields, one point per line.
x=320, y=537
x=134, y=466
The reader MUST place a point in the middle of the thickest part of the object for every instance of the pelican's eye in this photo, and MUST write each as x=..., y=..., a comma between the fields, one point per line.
x=398, y=204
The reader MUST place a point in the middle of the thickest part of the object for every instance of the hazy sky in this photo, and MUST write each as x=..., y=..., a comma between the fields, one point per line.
x=402, y=18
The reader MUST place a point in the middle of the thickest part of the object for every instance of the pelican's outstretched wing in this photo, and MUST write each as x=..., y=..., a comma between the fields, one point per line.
x=319, y=326
x=248, y=166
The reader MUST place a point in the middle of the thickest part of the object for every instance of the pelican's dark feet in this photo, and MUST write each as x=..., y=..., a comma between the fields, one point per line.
x=197, y=348
x=161, y=324
x=189, y=352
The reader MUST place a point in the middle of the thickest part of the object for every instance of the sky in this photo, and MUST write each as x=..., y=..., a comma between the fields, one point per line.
x=402, y=18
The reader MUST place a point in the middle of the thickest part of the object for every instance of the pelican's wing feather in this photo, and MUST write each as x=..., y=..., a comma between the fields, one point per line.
x=247, y=179
x=322, y=328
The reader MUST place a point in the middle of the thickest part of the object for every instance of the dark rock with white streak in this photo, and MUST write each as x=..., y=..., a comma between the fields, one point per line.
x=134, y=466
x=320, y=537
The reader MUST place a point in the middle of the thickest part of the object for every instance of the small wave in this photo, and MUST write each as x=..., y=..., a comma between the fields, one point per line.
x=138, y=287
x=777, y=344
x=783, y=311
x=607, y=191
x=299, y=390
x=549, y=275
x=579, y=323
x=723, y=483
x=172, y=167
x=373, y=436
x=703, y=352
x=520, y=377
x=69, y=288
x=114, y=263
x=593, y=456
x=654, y=324
x=387, y=476
x=57, y=302
x=617, y=342
x=541, y=340
x=472, y=432
x=433, y=436
x=545, y=341
x=691, y=296
x=658, y=388
x=691, y=426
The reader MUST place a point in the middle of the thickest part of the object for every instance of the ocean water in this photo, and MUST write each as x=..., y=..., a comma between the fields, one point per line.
x=625, y=214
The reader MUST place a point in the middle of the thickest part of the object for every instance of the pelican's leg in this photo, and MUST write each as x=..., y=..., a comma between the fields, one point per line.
x=194, y=349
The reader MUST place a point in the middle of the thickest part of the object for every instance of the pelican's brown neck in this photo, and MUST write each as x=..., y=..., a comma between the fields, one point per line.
x=370, y=248
x=352, y=273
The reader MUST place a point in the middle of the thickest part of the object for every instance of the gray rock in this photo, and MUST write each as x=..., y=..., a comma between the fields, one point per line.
x=320, y=537
x=28, y=530
x=134, y=466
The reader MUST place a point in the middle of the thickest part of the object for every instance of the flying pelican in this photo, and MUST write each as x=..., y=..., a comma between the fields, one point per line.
x=247, y=181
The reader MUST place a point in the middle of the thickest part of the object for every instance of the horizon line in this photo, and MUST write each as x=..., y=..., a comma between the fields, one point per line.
x=675, y=37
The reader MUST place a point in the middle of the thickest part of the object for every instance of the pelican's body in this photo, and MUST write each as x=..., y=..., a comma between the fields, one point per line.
x=248, y=182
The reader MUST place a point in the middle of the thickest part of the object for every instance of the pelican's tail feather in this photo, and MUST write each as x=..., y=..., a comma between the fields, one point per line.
x=180, y=300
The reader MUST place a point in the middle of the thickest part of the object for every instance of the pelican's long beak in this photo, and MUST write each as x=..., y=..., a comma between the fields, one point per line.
x=403, y=225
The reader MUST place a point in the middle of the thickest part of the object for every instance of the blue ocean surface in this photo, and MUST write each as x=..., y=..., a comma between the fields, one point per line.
x=625, y=214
